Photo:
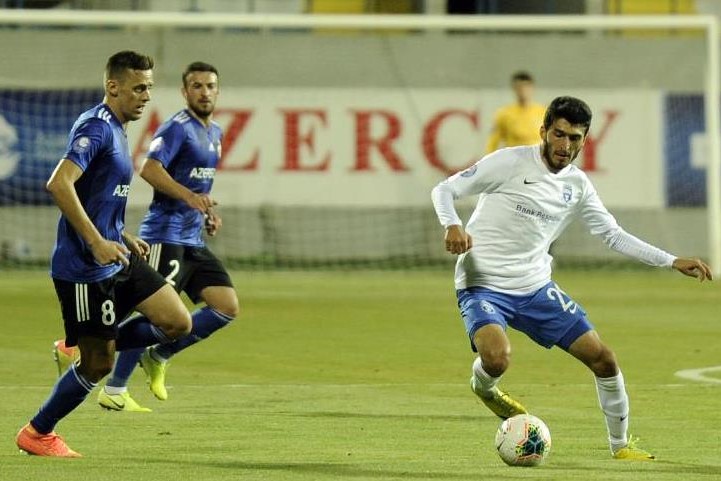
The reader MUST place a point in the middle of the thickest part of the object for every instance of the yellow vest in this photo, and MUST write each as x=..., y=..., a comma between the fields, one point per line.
x=515, y=125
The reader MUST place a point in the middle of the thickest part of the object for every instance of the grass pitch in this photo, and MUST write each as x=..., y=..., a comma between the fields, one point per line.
x=361, y=375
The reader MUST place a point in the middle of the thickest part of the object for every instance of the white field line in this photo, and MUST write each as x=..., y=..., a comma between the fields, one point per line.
x=699, y=374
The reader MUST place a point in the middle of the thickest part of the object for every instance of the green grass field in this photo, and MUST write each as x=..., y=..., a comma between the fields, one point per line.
x=363, y=375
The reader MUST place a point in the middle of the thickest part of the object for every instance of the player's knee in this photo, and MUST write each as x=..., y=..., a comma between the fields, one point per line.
x=496, y=361
x=177, y=324
x=604, y=364
x=96, y=369
x=229, y=307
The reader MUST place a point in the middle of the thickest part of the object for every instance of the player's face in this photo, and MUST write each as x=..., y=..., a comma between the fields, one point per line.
x=523, y=90
x=201, y=92
x=130, y=93
x=561, y=143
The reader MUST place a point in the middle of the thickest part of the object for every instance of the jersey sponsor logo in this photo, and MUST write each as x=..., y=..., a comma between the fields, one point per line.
x=470, y=171
x=567, y=193
x=81, y=145
x=156, y=144
x=104, y=114
x=121, y=190
x=487, y=307
x=203, y=173
x=535, y=214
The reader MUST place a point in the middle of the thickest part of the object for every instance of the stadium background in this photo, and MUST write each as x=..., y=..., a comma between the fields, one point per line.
x=335, y=138
x=333, y=372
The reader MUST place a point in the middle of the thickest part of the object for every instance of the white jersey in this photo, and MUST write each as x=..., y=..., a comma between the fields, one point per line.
x=522, y=208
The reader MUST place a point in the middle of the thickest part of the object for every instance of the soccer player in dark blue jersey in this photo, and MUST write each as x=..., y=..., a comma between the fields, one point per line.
x=180, y=165
x=96, y=266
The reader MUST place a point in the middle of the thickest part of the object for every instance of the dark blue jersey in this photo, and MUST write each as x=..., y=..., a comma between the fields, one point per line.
x=189, y=151
x=98, y=145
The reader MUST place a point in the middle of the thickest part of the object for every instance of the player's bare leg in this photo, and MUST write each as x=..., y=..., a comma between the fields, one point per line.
x=221, y=308
x=494, y=356
x=165, y=309
x=612, y=396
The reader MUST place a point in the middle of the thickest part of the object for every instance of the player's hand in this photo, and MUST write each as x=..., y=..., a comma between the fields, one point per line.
x=136, y=245
x=201, y=202
x=693, y=267
x=110, y=252
x=457, y=240
x=213, y=222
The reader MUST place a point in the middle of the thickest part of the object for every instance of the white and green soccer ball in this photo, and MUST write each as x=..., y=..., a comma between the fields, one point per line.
x=523, y=440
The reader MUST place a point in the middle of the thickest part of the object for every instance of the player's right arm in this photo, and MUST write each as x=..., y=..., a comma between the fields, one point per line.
x=497, y=135
x=482, y=177
x=61, y=186
x=153, y=171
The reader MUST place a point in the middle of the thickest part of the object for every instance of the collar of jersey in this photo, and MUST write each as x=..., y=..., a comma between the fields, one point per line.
x=115, y=118
x=542, y=165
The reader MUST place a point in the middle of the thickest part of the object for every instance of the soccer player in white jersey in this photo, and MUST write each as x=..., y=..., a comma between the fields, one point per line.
x=527, y=196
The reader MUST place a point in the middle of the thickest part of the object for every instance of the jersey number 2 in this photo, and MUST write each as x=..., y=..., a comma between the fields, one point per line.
x=556, y=294
x=170, y=278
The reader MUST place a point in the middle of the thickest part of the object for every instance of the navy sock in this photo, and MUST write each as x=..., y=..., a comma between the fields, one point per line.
x=124, y=367
x=205, y=322
x=138, y=332
x=69, y=392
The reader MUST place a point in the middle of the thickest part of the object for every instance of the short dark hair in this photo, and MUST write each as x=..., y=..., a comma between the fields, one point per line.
x=127, y=60
x=522, y=76
x=575, y=111
x=199, y=67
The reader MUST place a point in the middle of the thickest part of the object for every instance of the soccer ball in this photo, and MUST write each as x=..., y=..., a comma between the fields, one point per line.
x=523, y=440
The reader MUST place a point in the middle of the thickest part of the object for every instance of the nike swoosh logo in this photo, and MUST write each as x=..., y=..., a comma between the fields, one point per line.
x=525, y=181
x=120, y=406
x=624, y=418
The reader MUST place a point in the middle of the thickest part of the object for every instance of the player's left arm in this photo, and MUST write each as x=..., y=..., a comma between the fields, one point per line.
x=136, y=245
x=601, y=223
x=693, y=267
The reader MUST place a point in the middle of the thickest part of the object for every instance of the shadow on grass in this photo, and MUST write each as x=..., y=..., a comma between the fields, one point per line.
x=347, y=415
x=333, y=470
x=684, y=470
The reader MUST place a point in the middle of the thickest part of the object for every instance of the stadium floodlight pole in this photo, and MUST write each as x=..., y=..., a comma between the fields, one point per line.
x=708, y=23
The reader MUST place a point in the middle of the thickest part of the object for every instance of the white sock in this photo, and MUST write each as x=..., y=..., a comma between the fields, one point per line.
x=156, y=356
x=614, y=404
x=114, y=390
x=483, y=383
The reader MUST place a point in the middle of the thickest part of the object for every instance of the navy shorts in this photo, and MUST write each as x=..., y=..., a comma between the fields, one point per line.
x=188, y=269
x=95, y=309
x=548, y=316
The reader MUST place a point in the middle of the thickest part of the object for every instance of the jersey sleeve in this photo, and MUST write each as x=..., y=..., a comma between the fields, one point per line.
x=166, y=143
x=601, y=223
x=87, y=140
x=484, y=176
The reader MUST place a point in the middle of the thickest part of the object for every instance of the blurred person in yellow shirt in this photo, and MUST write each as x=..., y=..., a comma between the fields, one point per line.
x=518, y=123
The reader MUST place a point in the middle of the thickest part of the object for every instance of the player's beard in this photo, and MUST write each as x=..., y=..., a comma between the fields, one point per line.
x=203, y=113
x=548, y=157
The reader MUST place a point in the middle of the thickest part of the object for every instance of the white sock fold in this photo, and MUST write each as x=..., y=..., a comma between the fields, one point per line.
x=115, y=390
x=614, y=403
x=483, y=383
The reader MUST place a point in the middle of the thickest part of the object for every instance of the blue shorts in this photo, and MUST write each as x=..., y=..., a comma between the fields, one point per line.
x=548, y=316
